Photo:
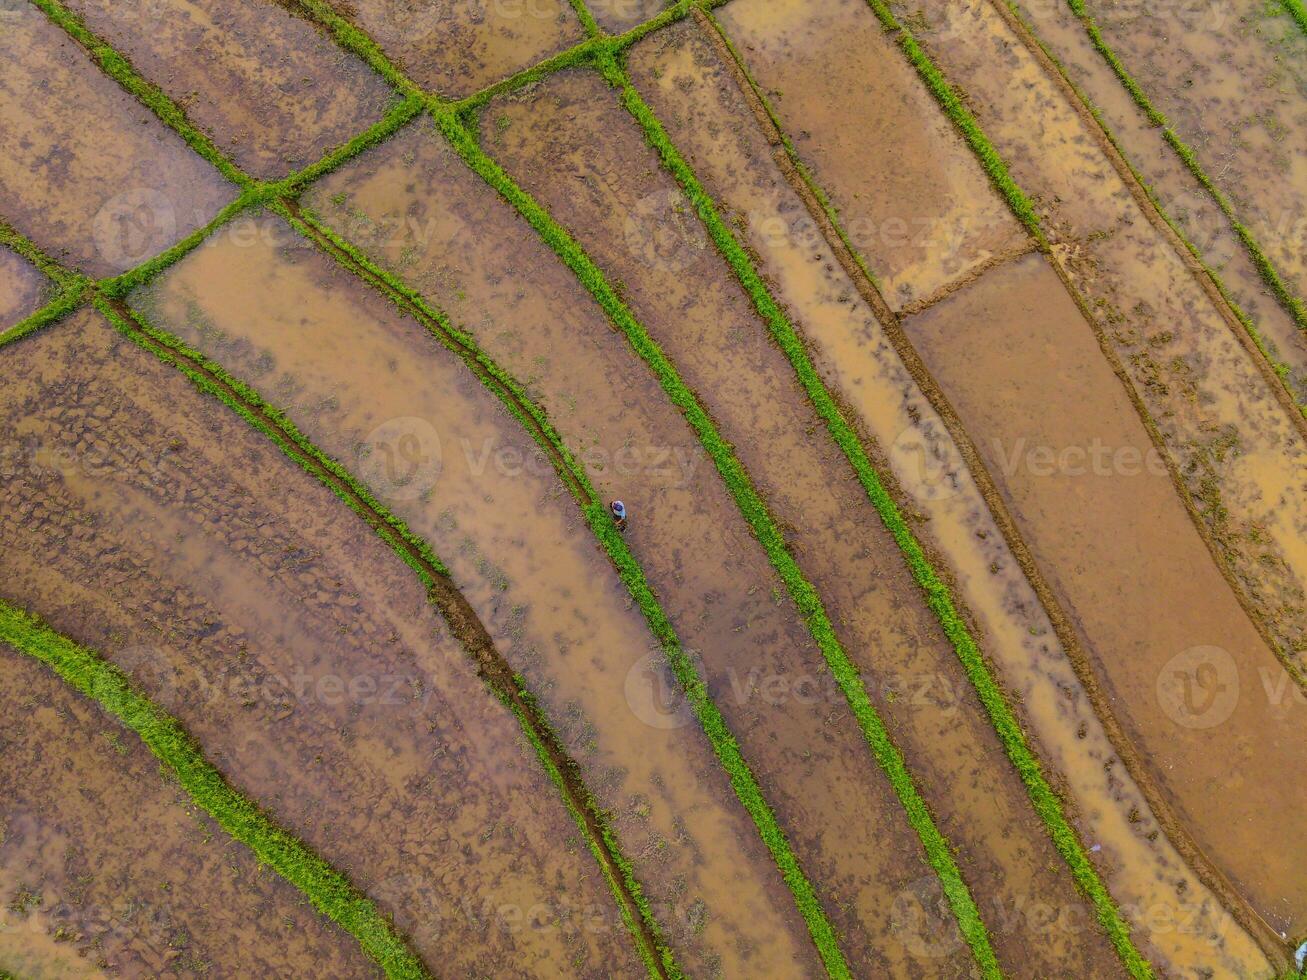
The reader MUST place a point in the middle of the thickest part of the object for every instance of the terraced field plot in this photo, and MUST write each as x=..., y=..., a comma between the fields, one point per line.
x=953, y=624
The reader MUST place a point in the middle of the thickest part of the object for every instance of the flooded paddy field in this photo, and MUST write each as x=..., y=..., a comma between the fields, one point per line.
x=1188, y=675
x=457, y=47
x=87, y=172
x=1180, y=193
x=149, y=522
x=684, y=77
x=1231, y=79
x=22, y=288
x=930, y=218
x=713, y=580
x=270, y=89
x=1236, y=438
x=685, y=296
x=359, y=379
x=107, y=869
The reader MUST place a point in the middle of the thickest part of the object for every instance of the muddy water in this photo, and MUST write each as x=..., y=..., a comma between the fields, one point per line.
x=151, y=523
x=455, y=47
x=700, y=103
x=22, y=288
x=1231, y=78
x=703, y=320
x=1181, y=195
x=853, y=107
x=106, y=868
x=513, y=538
x=1245, y=462
x=87, y=172
x=1189, y=677
x=715, y=583
x=615, y=16
x=272, y=91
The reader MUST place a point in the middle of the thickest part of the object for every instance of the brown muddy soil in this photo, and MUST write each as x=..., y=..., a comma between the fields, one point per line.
x=493, y=508
x=1226, y=423
x=86, y=171
x=726, y=603
x=457, y=47
x=150, y=522
x=685, y=75
x=1188, y=675
x=586, y=160
x=271, y=90
x=107, y=868
x=1181, y=195
x=23, y=290
x=854, y=107
x=1231, y=79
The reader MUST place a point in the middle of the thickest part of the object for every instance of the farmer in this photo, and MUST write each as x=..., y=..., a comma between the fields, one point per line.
x=619, y=514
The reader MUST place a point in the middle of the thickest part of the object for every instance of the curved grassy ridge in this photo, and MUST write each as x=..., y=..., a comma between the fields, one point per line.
x=1281, y=369
x=575, y=476
x=1292, y=303
x=328, y=889
x=938, y=597
x=278, y=427
x=764, y=527
x=1297, y=11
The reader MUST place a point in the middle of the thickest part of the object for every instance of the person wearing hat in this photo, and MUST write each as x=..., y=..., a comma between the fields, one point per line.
x=619, y=514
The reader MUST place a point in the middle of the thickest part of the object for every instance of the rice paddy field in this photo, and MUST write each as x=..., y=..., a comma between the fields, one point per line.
x=614, y=488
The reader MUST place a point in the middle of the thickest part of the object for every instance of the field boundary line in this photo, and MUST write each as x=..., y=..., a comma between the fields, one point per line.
x=803, y=183
x=937, y=594
x=508, y=687
x=1292, y=304
x=572, y=472
x=1297, y=11
x=331, y=893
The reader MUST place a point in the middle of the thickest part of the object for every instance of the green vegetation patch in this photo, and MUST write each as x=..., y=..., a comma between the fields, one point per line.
x=328, y=889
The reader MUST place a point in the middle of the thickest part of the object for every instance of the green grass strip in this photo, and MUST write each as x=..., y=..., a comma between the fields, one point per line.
x=21, y=245
x=352, y=39
x=938, y=596
x=1296, y=10
x=768, y=534
x=150, y=95
x=724, y=744
x=394, y=120
x=65, y=303
x=410, y=547
x=961, y=116
x=514, y=398
x=328, y=889
x=1270, y=275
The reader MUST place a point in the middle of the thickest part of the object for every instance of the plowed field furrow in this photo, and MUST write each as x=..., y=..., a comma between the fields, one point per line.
x=270, y=90
x=149, y=522
x=86, y=172
x=107, y=869
x=689, y=81
x=511, y=536
x=1223, y=417
x=1190, y=678
x=455, y=47
x=590, y=170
